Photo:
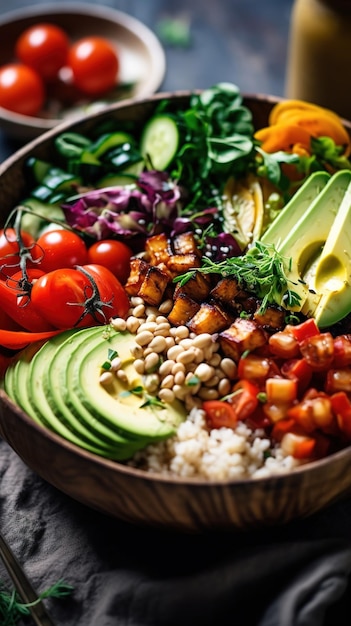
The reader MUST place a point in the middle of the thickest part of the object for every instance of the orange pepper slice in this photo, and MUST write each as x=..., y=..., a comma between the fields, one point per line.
x=283, y=137
x=282, y=110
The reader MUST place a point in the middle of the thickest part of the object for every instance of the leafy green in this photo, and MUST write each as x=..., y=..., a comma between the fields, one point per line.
x=216, y=141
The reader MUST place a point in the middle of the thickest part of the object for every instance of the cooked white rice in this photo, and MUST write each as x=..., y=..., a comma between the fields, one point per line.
x=218, y=454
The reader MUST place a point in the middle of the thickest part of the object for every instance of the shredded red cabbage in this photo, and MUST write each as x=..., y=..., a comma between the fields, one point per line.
x=149, y=207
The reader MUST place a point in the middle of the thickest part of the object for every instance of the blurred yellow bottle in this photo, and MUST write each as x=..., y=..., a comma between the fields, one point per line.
x=319, y=54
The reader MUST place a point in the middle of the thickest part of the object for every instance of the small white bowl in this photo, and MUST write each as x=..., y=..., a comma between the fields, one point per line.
x=142, y=58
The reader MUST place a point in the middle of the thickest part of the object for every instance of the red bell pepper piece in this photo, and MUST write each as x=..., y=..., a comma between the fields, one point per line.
x=305, y=330
x=16, y=340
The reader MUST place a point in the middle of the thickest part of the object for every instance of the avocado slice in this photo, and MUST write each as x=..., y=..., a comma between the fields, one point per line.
x=36, y=401
x=332, y=273
x=295, y=209
x=15, y=383
x=57, y=384
x=125, y=408
x=304, y=241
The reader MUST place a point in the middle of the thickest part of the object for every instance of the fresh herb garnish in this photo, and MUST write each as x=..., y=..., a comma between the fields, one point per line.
x=152, y=401
x=12, y=609
x=261, y=271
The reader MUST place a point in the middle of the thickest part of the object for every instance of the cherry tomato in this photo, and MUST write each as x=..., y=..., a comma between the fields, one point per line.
x=112, y=254
x=9, y=251
x=94, y=64
x=44, y=47
x=244, y=398
x=219, y=414
x=21, y=89
x=69, y=298
x=18, y=305
x=60, y=248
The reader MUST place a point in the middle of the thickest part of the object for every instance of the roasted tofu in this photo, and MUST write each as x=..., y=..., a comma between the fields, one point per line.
x=138, y=270
x=181, y=263
x=185, y=243
x=197, y=287
x=157, y=249
x=243, y=334
x=210, y=318
x=183, y=310
x=228, y=291
x=153, y=286
x=272, y=319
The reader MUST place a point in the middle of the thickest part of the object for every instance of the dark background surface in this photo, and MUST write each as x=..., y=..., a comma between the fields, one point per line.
x=125, y=576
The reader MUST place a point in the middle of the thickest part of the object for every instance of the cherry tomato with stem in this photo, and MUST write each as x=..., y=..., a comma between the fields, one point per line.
x=86, y=296
x=94, y=64
x=11, y=244
x=15, y=298
x=21, y=89
x=113, y=254
x=44, y=47
x=60, y=248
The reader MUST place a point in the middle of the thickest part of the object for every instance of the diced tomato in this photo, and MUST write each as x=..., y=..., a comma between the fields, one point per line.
x=258, y=368
x=341, y=406
x=313, y=413
x=275, y=411
x=299, y=370
x=282, y=427
x=219, y=414
x=342, y=351
x=298, y=446
x=338, y=380
x=244, y=398
x=281, y=390
x=284, y=345
x=318, y=351
x=258, y=419
x=305, y=330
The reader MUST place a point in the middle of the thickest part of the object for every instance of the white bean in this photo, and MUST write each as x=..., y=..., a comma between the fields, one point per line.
x=106, y=378
x=166, y=395
x=118, y=323
x=204, y=372
x=158, y=344
x=144, y=338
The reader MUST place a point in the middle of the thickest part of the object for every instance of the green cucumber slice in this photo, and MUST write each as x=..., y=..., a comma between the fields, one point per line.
x=160, y=141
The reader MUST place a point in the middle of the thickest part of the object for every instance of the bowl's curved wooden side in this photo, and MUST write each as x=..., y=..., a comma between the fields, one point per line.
x=158, y=501
x=133, y=495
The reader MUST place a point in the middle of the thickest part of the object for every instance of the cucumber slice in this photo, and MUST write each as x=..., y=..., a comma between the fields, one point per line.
x=160, y=141
x=109, y=141
x=38, y=168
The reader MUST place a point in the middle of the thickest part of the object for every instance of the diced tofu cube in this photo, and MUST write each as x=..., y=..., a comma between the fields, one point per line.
x=183, y=310
x=157, y=249
x=185, y=243
x=242, y=335
x=210, y=318
x=153, y=286
x=197, y=287
x=181, y=263
x=138, y=269
x=227, y=291
x=273, y=318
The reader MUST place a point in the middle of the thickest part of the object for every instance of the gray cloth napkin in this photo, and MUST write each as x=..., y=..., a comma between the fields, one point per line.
x=297, y=575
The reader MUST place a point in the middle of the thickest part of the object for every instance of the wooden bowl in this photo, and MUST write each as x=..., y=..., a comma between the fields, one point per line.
x=130, y=494
x=142, y=58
